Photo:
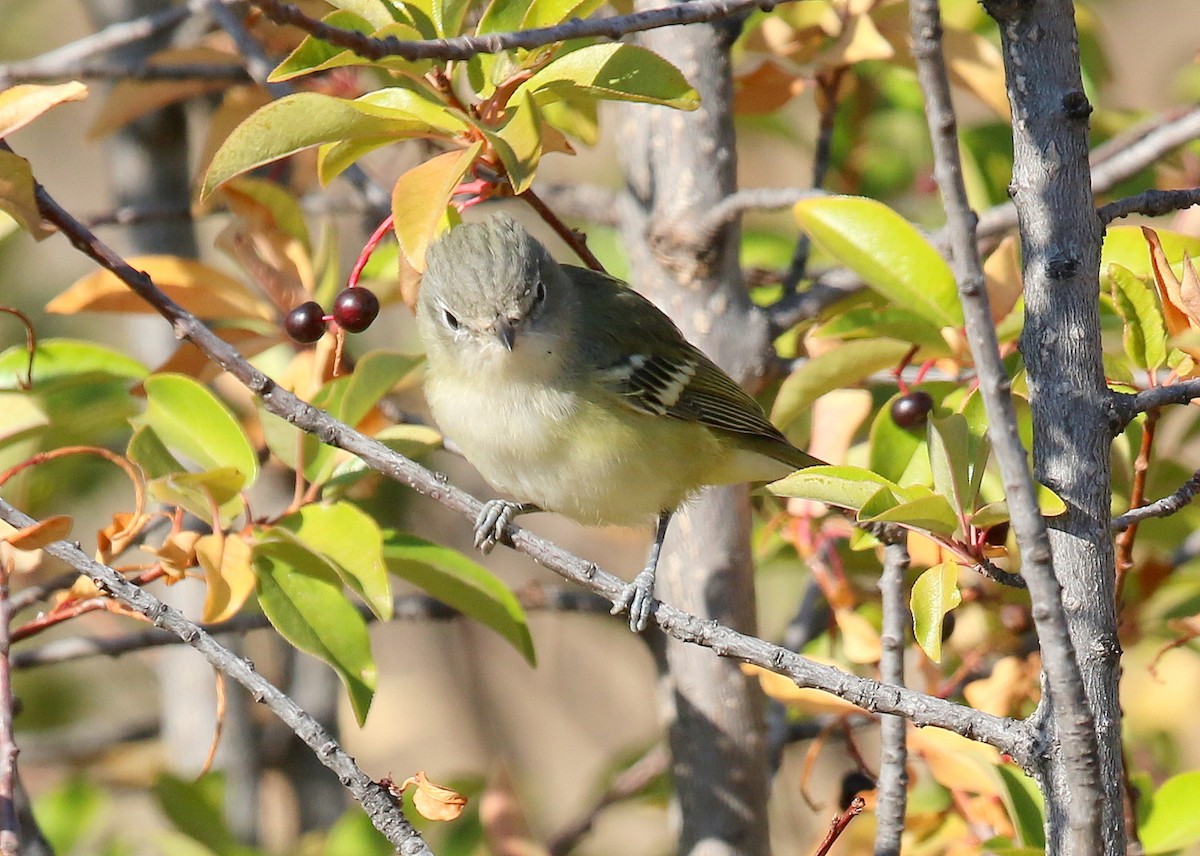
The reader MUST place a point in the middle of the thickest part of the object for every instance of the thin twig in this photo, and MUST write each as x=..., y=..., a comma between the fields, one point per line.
x=465, y=47
x=105, y=70
x=1126, y=406
x=1165, y=507
x=1152, y=203
x=1005, y=734
x=839, y=825
x=755, y=199
x=892, y=781
x=375, y=800
x=1137, y=496
x=10, y=831
x=575, y=240
x=1063, y=675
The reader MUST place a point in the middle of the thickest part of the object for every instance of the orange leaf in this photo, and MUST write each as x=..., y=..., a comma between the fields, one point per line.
x=1002, y=272
x=38, y=535
x=420, y=197
x=765, y=90
x=132, y=99
x=178, y=553
x=434, y=801
x=1178, y=316
x=229, y=572
x=860, y=640
x=198, y=288
x=956, y=762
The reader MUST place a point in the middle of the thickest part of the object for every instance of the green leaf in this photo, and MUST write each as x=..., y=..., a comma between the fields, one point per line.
x=888, y=322
x=934, y=594
x=1144, y=332
x=843, y=486
x=932, y=514
x=353, y=835
x=374, y=376
x=57, y=362
x=1024, y=803
x=351, y=540
x=949, y=458
x=378, y=13
x=69, y=812
x=501, y=16
x=192, y=422
x=519, y=142
x=891, y=256
x=448, y=16
x=196, y=809
x=613, y=72
x=420, y=197
x=546, y=13
x=841, y=367
x=300, y=121
x=461, y=584
x=1173, y=822
x=313, y=54
x=302, y=597
x=992, y=514
x=278, y=204
x=1126, y=246
x=199, y=492
x=894, y=450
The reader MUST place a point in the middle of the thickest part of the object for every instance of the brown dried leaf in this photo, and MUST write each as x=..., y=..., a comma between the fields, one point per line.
x=38, y=535
x=229, y=572
x=433, y=801
x=82, y=589
x=178, y=553
x=117, y=536
x=765, y=89
x=197, y=287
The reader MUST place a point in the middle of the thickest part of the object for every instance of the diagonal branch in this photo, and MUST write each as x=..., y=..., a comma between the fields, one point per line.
x=1003, y=733
x=1165, y=507
x=374, y=798
x=465, y=47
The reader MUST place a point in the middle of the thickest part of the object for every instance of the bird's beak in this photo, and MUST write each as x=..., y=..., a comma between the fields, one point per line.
x=505, y=332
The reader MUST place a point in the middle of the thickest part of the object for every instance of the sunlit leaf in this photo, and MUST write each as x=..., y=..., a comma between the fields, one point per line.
x=460, y=583
x=840, y=367
x=1173, y=822
x=845, y=487
x=931, y=513
x=420, y=197
x=351, y=540
x=17, y=195
x=21, y=104
x=884, y=249
x=1143, y=332
x=191, y=421
x=314, y=54
x=934, y=594
x=616, y=71
x=302, y=597
x=228, y=575
x=39, y=534
x=199, y=288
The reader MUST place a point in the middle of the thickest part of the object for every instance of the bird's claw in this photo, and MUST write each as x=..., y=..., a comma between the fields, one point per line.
x=638, y=599
x=493, y=519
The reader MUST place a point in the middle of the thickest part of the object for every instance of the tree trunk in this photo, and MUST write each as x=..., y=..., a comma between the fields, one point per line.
x=678, y=166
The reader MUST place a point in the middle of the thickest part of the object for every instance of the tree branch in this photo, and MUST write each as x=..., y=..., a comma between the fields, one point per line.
x=1165, y=507
x=465, y=47
x=1152, y=203
x=1003, y=733
x=892, y=781
x=1063, y=674
x=1125, y=406
x=374, y=798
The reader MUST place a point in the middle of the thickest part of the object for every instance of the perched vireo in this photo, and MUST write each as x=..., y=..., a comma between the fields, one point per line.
x=573, y=393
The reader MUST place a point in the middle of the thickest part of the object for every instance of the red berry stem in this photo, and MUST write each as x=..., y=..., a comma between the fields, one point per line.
x=368, y=248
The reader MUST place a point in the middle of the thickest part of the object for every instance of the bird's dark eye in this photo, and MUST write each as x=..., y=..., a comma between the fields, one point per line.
x=539, y=292
x=450, y=319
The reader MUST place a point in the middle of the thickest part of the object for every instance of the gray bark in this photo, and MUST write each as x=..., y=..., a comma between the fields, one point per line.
x=1060, y=237
x=678, y=166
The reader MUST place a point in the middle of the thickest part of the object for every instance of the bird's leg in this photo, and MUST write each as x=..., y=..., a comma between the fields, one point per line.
x=494, y=518
x=638, y=596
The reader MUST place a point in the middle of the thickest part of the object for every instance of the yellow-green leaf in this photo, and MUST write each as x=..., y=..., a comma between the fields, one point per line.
x=840, y=367
x=1144, y=333
x=18, y=198
x=934, y=594
x=420, y=197
x=228, y=575
x=843, y=486
x=617, y=72
x=887, y=251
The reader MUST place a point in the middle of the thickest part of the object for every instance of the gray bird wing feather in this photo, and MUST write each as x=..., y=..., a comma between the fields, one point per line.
x=668, y=376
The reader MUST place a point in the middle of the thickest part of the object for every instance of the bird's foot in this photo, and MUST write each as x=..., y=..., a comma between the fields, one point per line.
x=493, y=519
x=638, y=599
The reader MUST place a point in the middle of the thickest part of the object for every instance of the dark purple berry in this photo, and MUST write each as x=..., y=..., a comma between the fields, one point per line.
x=911, y=410
x=853, y=784
x=355, y=308
x=306, y=323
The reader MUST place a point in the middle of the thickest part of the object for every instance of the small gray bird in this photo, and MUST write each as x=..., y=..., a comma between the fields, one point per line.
x=574, y=394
